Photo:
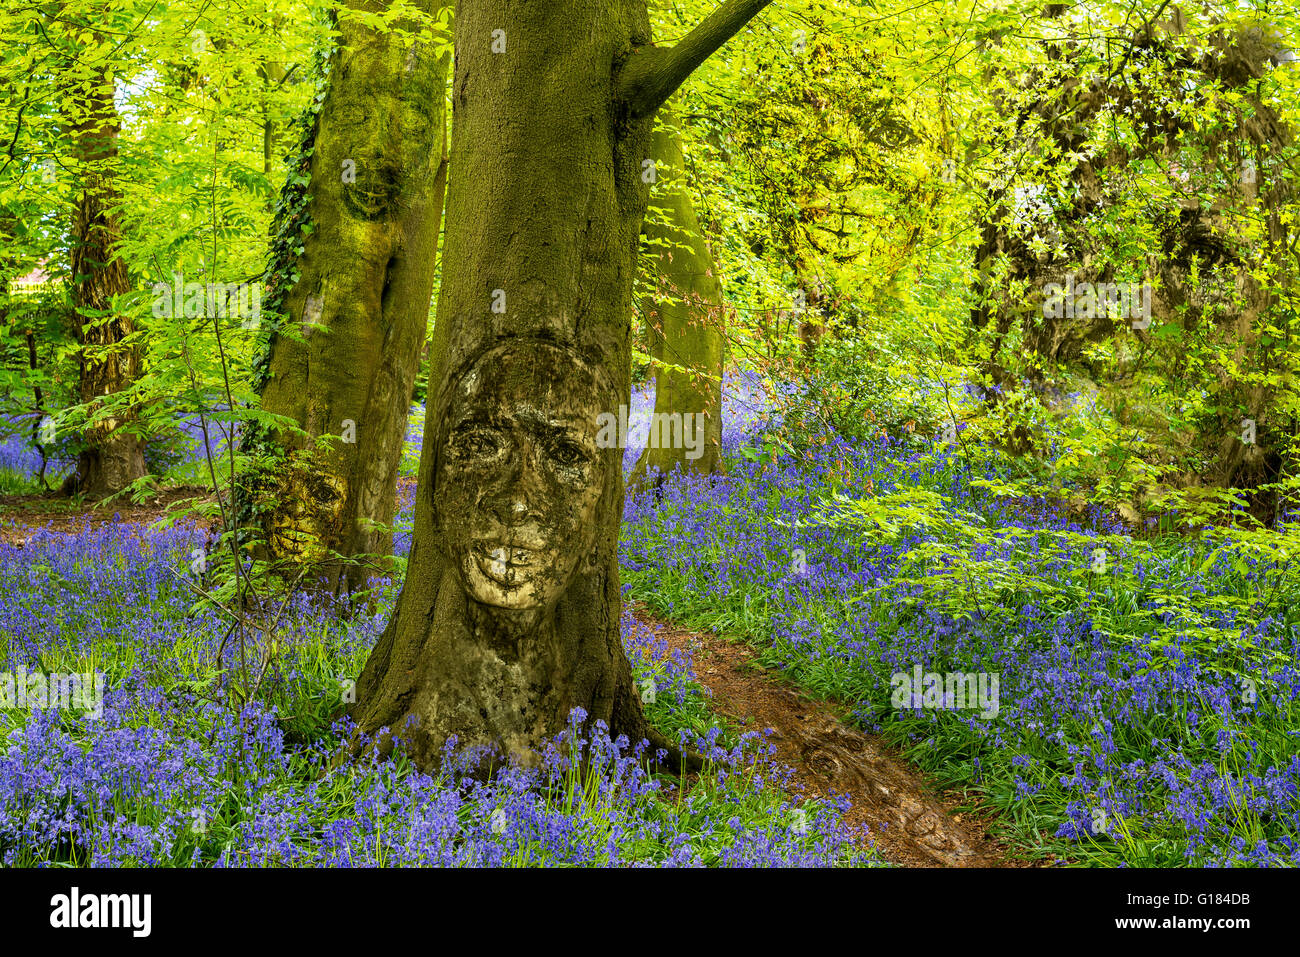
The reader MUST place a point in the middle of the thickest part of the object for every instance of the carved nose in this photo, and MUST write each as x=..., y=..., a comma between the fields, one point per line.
x=512, y=509
x=520, y=488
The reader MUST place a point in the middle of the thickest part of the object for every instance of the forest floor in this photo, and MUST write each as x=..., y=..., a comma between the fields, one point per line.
x=20, y=515
x=909, y=822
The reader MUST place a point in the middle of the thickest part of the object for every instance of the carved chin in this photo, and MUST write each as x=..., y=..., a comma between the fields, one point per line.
x=514, y=578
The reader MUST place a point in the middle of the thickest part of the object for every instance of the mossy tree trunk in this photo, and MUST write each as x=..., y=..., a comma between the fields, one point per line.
x=360, y=303
x=509, y=616
x=685, y=316
x=109, y=363
x=1255, y=358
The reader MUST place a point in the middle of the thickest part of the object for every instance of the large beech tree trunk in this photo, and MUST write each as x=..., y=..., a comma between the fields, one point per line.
x=685, y=316
x=378, y=175
x=509, y=616
x=112, y=458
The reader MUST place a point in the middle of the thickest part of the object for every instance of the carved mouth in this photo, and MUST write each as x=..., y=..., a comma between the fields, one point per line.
x=298, y=538
x=373, y=194
x=293, y=532
x=504, y=563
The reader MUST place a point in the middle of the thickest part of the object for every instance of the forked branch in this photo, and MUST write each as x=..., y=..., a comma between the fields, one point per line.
x=651, y=74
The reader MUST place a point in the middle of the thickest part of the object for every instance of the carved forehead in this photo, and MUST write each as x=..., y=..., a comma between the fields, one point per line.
x=544, y=375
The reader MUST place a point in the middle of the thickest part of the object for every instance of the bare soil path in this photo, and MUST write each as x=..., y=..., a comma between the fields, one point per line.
x=21, y=515
x=909, y=823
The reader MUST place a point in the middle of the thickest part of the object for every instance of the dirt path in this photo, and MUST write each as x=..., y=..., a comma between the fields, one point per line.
x=909, y=824
x=21, y=515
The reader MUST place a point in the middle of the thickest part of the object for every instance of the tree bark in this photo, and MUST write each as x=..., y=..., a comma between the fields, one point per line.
x=112, y=458
x=378, y=175
x=686, y=325
x=509, y=616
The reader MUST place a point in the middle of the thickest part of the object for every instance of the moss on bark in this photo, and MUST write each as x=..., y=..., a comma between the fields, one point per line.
x=359, y=307
x=686, y=316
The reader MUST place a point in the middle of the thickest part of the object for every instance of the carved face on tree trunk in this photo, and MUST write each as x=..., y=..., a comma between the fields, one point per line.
x=394, y=142
x=519, y=474
x=305, y=516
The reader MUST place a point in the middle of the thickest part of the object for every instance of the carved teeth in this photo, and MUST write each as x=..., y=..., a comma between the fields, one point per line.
x=512, y=556
x=501, y=562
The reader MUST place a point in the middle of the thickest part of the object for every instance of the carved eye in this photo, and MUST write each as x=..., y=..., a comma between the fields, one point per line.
x=568, y=454
x=479, y=443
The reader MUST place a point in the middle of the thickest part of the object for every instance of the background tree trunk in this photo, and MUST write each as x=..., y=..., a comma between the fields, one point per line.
x=685, y=319
x=378, y=175
x=550, y=143
x=112, y=458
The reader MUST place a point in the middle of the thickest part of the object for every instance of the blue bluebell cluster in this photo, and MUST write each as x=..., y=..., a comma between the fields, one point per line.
x=1148, y=715
x=176, y=772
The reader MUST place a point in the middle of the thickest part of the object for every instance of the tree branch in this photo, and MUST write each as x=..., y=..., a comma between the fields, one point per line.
x=651, y=74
